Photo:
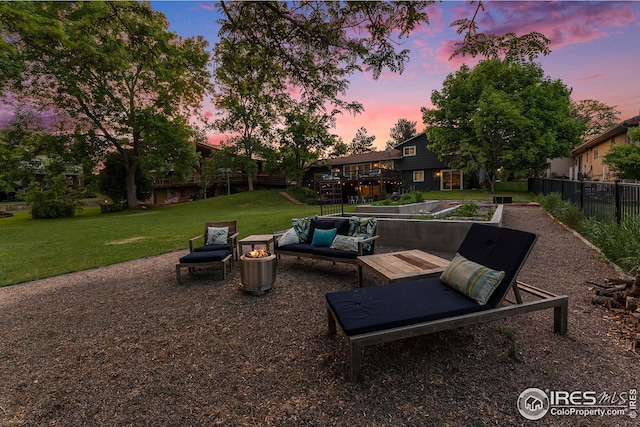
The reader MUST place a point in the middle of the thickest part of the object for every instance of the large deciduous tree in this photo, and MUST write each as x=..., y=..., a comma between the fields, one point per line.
x=126, y=82
x=501, y=115
x=308, y=49
x=596, y=116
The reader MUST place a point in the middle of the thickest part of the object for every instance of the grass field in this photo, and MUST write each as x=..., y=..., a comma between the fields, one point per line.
x=34, y=249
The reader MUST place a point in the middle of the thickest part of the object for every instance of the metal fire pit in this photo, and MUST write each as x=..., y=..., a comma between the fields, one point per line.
x=257, y=274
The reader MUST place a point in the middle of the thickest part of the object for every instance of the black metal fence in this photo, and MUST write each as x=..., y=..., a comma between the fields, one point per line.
x=604, y=201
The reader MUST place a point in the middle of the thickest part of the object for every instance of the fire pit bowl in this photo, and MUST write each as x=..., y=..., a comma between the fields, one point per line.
x=257, y=271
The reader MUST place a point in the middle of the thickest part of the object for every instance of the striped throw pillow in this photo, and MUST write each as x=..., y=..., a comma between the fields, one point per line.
x=472, y=279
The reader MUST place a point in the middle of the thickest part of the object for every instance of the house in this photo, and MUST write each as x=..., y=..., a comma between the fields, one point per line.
x=365, y=176
x=421, y=168
x=588, y=156
x=374, y=175
x=168, y=190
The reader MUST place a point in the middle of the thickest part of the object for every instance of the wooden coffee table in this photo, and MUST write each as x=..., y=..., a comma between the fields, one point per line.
x=401, y=266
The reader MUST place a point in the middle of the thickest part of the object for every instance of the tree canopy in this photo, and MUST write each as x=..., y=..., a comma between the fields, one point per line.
x=362, y=142
x=625, y=159
x=115, y=74
x=596, y=116
x=501, y=116
x=303, y=53
x=403, y=130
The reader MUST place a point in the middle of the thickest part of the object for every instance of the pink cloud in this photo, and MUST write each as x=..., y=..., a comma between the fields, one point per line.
x=563, y=22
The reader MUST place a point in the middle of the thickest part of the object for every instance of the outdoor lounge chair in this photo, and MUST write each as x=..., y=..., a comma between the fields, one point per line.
x=377, y=314
x=229, y=244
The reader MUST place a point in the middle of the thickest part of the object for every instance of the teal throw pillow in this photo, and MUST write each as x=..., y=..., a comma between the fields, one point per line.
x=324, y=237
x=472, y=279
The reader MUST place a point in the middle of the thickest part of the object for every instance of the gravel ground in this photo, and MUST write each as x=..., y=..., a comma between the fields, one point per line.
x=124, y=345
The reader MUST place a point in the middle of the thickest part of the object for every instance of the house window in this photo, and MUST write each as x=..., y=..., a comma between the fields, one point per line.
x=409, y=151
x=451, y=179
x=418, y=176
x=595, y=153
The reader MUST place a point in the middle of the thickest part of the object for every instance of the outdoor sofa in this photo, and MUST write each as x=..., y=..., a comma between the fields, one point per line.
x=336, y=239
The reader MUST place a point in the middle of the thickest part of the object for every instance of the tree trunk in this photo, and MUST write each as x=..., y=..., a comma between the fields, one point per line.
x=250, y=181
x=132, y=190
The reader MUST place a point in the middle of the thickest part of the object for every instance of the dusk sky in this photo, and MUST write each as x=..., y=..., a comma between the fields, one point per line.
x=595, y=50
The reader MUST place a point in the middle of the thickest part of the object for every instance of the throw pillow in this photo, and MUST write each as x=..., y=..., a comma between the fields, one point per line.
x=472, y=279
x=323, y=237
x=302, y=226
x=345, y=243
x=288, y=238
x=364, y=228
x=217, y=235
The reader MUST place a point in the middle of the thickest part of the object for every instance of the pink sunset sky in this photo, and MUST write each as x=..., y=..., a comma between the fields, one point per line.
x=594, y=50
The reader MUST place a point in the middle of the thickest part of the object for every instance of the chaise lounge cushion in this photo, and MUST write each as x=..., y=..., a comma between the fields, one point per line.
x=382, y=307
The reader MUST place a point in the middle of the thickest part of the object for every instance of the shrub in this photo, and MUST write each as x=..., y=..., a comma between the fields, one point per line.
x=303, y=194
x=565, y=212
x=58, y=200
x=467, y=209
x=619, y=243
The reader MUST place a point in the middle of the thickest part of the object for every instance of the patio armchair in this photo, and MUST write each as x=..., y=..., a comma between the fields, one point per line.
x=384, y=313
x=208, y=242
x=216, y=246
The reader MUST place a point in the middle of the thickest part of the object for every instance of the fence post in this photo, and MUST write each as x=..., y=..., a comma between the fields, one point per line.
x=616, y=194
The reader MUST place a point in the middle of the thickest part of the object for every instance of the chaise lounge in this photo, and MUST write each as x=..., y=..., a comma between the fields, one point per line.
x=470, y=291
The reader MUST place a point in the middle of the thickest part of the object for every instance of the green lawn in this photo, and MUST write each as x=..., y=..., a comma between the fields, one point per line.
x=34, y=249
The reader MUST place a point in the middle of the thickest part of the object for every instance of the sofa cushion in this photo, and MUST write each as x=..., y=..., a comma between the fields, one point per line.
x=217, y=235
x=375, y=308
x=346, y=243
x=343, y=225
x=305, y=248
x=333, y=253
x=472, y=279
x=323, y=237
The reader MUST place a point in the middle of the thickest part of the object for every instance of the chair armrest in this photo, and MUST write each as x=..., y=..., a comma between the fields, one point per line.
x=232, y=238
x=361, y=243
x=192, y=241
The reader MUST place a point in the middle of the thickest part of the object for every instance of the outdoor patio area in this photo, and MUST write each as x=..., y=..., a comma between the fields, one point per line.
x=126, y=345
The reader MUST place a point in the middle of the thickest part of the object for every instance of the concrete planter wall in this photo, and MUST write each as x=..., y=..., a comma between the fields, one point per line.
x=413, y=208
x=435, y=235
